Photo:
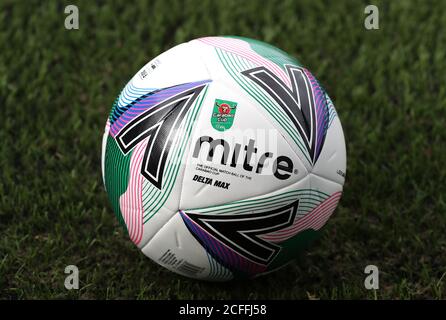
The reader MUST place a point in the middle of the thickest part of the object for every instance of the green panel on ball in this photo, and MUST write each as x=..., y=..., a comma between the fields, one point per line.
x=292, y=247
x=116, y=175
x=272, y=53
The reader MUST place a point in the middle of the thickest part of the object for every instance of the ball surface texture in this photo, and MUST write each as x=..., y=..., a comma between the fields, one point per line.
x=223, y=157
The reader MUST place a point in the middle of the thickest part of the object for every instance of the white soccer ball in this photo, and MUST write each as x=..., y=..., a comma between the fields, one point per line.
x=223, y=157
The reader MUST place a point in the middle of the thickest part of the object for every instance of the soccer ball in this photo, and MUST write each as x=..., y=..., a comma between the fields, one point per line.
x=223, y=157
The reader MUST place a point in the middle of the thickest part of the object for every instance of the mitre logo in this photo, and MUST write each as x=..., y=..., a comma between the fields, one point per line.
x=236, y=155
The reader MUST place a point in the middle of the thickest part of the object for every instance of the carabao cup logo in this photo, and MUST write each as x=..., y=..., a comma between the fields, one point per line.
x=223, y=114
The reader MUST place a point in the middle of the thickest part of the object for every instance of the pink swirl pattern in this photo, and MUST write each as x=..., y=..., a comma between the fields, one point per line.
x=131, y=200
x=314, y=219
x=243, y=49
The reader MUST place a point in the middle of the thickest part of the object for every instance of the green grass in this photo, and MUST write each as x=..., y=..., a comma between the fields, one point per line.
x=56, y=89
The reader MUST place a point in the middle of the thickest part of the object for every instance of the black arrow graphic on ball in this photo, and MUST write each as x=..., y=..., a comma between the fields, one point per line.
x=241, y=232
x=297, y=101
x=160, y=123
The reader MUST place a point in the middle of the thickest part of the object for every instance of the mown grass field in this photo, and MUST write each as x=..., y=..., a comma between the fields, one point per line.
x=57, y=87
